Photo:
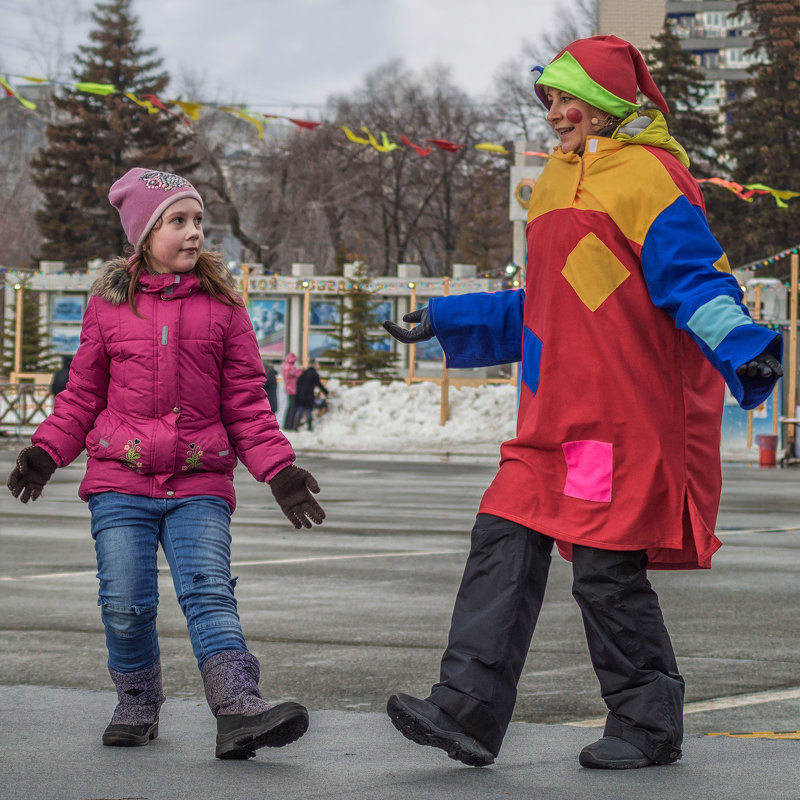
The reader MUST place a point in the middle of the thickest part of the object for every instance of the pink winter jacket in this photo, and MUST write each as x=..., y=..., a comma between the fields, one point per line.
x=290, y=373
x=164, y=403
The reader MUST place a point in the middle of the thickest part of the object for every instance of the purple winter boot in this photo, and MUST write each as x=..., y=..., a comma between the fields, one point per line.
x=245, y=722
x=135, y=719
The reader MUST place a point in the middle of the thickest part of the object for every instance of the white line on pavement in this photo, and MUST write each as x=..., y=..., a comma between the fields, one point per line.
x=717, y=704
x=264, y=562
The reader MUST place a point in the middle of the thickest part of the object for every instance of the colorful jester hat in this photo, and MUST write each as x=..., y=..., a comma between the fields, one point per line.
x=604, y=71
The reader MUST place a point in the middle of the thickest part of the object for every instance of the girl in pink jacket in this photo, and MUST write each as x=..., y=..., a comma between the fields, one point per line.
x=165, y=394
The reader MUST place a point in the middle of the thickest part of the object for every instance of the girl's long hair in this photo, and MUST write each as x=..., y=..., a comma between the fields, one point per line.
x=210, y=269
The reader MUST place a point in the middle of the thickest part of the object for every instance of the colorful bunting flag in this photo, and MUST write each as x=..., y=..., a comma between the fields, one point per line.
x=444, y=144
x=421, y=151
x=11, y=93
x=192, y=110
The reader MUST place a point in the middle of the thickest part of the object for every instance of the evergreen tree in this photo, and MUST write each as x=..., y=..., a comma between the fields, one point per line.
x=36, y=354
x=764, y=135
x=356, y=355
x=684, y=85
x=96, y=139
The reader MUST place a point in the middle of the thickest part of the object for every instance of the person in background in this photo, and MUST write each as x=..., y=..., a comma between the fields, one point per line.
x=166, y=393
x=61, y=376
x=271, y=387
x=629, y=324
x=307, y=384
x=290, y=373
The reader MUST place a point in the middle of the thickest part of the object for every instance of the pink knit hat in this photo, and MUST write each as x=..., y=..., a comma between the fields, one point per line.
x=142, y=195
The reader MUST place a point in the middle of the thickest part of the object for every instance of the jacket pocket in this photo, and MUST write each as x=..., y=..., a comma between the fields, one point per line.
x=205, y=451
x=124, y=443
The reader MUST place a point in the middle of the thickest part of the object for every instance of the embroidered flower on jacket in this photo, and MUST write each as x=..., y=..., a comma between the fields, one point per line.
x=193, y=461
x=133, y=454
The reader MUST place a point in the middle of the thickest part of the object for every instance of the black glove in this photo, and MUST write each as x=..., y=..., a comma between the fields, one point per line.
x=421, y=333
x=34, y=468
x=292, y=488
x=764, y=365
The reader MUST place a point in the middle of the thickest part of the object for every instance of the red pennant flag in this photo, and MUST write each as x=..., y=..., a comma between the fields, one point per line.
x=156, y=102
x=444, y=144
x=301, y=123
x=421, y=151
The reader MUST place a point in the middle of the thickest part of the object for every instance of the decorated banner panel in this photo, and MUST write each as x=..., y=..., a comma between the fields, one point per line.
x=269, y=323
x=319, y=342
x=523, y=179
x=324, y=313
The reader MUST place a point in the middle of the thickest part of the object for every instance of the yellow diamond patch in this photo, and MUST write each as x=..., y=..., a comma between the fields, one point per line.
x=593, y=271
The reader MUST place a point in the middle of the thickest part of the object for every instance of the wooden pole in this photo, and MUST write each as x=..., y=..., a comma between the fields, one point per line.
x=245, y=283
x=756, y=315
x=306, y=316
x=20, y=288
x=445, y=404
x=791, y=394
x=412, y=348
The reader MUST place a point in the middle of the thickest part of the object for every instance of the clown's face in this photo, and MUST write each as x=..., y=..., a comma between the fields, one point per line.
x=573, y=119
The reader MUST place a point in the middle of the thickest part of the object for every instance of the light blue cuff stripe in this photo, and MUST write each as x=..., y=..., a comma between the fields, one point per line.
x=714, y=320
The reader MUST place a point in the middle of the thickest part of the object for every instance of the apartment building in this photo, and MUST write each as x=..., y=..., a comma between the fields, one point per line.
x=707, y=28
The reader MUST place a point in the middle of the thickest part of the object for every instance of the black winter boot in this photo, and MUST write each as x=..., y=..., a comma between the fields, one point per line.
x=245, y=722
x=611, y=752
x=135, y=720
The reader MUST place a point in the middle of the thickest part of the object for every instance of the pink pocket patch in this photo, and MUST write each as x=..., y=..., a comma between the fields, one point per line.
x=589, y=468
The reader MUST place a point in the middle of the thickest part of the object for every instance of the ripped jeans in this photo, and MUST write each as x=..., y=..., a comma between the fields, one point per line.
x=194, y=533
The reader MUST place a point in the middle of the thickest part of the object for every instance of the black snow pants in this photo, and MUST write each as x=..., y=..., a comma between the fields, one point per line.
x=495, y=614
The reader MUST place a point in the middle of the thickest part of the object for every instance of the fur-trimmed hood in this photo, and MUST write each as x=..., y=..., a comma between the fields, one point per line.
x=115, y=279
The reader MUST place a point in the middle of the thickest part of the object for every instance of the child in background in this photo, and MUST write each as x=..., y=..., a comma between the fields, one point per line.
x=166, y=392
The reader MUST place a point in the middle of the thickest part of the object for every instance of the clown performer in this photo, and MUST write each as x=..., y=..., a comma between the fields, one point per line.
x=629, y=322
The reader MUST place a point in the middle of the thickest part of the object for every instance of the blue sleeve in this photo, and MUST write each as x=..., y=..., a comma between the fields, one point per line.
x=678, y=259
x=480, y=329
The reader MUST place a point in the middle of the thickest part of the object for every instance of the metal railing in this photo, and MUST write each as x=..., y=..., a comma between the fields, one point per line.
x=23, y=406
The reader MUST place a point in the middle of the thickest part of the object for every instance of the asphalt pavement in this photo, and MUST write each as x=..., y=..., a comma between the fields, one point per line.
x=344, y=615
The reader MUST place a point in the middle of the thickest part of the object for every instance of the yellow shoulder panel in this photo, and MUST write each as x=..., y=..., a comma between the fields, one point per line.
x=630, y=185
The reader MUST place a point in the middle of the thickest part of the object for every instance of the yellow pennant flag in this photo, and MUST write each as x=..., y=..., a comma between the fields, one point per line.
x=249, y=117
x=385, y=147
x=192, y=110
x=489, y=147
x=352, y=137
x=96, y=88
x=780, y=195
x=11, y=93
x=151, y=109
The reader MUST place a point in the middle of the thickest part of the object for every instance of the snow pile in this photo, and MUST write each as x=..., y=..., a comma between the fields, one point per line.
x=388, y=418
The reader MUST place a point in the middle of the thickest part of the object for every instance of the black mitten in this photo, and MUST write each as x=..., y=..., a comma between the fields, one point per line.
x=292, y=488
x=421, y=333
x=34, y=468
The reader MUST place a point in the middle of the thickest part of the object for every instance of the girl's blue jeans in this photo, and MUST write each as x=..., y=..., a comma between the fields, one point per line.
x=194, y=534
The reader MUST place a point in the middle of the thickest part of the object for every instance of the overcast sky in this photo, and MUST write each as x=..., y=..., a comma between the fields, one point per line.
x=290, y=53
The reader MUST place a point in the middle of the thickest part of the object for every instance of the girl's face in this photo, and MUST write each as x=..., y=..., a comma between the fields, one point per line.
x=571, y=119
x=176, y=241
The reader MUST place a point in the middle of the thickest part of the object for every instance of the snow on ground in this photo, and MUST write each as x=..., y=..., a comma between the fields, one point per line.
x=397, y=418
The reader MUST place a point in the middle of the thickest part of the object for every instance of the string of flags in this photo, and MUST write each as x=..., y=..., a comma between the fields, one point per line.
x=189, y=112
